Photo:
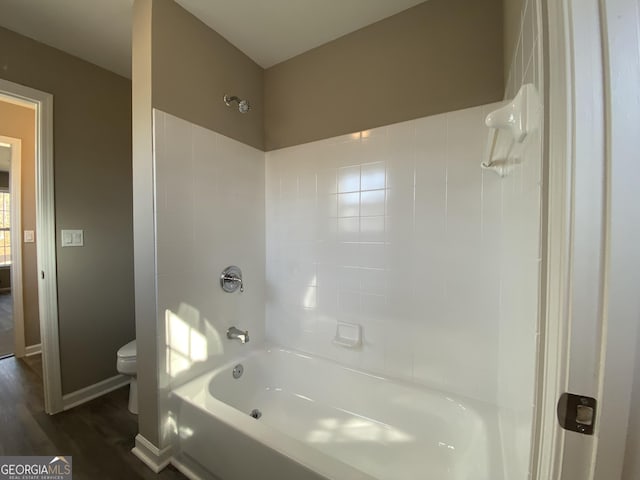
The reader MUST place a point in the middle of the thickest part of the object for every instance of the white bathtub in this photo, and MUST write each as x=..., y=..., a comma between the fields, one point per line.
x=322, y=420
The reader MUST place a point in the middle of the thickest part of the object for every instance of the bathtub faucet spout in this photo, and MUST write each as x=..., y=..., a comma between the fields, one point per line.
x=236, y=334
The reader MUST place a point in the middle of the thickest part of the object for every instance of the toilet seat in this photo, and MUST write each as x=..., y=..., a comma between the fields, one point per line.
x=127, y=364
x=127, y=361
x=128, y=351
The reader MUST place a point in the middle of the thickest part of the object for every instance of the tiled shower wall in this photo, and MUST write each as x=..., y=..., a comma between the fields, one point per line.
x=210, y=214
x=521, y=264
x=398, y=230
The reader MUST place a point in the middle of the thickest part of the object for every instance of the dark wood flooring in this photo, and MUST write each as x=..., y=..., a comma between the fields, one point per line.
x=6, y=324
x=99, y=435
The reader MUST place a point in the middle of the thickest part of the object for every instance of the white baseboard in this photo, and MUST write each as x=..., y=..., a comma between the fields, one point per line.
x=96, y=390
x=150, y=455
x=33, y=350
x=185, y=470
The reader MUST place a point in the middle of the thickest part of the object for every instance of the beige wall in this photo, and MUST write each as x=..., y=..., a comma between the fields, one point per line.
x=439, y=56
x=423, y=61
x=194, y=67
x=92, y=169
x=512, y=12
x=19, y=122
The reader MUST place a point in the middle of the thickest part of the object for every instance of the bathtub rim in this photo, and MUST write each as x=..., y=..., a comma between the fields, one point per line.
x=269, y=346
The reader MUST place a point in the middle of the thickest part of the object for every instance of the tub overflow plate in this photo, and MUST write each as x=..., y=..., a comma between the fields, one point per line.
x=238, y=370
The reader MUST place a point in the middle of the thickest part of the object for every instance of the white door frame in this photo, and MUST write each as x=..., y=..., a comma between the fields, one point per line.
x=620, y=20
x=16, y=245
x=45, y=238
x=591, y=309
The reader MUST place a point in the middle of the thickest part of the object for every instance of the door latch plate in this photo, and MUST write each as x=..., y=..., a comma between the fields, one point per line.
x=577, y=413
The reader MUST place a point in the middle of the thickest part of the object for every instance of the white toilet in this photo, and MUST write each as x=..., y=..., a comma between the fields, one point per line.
x=127, y=365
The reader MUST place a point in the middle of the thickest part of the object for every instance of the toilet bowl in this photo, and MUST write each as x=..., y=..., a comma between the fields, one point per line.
x=127, y=365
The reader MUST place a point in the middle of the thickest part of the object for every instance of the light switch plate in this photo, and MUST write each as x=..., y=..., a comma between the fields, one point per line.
x=29, y=236
x=72, y=238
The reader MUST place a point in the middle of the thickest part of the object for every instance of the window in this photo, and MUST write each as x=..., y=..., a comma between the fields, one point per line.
x=5, y=228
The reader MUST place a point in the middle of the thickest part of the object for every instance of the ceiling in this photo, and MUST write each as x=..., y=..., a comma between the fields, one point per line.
x=268, y=31
x=98, y=31
x=271, y=31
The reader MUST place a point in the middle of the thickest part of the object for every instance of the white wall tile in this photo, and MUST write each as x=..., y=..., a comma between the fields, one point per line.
x=349, y=179
x=372, y=229
x=416, y=247
x=373, y=255
x=520, y=237
x=408, y=234
x=349, y=204
x=373, y=176
x=213, y=217
x=349, y=229
x=401, y=155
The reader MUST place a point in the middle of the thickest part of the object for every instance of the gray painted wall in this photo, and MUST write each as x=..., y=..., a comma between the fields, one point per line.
x=191, y=86
x=512, y=14
x=93, y=191
x=422, y=61
x=439, y=56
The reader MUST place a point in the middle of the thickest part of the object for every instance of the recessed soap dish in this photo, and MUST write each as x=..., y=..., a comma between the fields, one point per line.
x=348, y=335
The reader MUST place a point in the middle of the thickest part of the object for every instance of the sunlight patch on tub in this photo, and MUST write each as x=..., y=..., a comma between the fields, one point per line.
x=170, y=425
x=329, y=423
x=320, y=436
x=356, y=430
x=185, y=432
x=446, y=445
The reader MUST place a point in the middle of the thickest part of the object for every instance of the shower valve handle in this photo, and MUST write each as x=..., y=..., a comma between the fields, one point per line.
x=231, y=279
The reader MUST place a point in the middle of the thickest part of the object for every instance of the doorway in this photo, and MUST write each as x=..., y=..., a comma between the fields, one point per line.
x=13, y=339
x=7, y=346
x=39, y=240
x=12, y=331
x=18, y=136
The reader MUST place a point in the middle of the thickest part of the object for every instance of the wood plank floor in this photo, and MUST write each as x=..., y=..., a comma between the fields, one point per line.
x=6, y=324
x=99, y=435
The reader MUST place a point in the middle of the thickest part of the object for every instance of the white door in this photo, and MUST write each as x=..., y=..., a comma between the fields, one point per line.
x=593, y=242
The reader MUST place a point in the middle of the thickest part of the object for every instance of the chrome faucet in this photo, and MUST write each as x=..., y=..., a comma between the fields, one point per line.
x=234, y=333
